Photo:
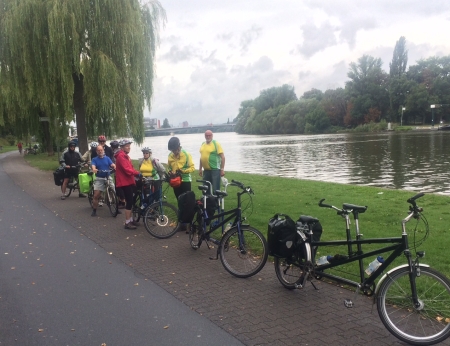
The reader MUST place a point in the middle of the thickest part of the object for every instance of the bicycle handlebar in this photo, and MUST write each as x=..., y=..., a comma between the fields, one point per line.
x=412, y=200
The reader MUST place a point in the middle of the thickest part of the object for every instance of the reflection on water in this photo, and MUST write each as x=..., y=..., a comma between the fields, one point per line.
x=412, y=160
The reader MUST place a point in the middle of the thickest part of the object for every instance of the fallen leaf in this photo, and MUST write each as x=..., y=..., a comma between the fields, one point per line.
x=439, y=318
x=136, y=284
x=165, y=246
x=40, y=330
x=12, y=268
x=166, y=327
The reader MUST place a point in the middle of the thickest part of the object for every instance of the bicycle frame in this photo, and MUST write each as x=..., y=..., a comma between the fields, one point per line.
x=400, y=246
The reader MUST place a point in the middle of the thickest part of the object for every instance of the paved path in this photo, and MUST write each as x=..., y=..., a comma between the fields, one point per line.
x=257, y=310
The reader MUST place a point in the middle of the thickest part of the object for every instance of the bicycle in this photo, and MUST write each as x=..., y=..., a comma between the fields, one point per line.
x=109, y=195
x=412, y=299
x=73, y=182
x=160, y=217
x=242, y=249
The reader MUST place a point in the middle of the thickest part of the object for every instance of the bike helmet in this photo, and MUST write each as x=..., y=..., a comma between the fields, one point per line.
x=101, y=138
x=71, y=143
x=174, y=143
x=124, y=142
x=146, y=150
x=114, y=144
x=94, y=145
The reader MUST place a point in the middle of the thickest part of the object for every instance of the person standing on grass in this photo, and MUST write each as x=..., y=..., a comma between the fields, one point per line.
x=212, y=161
x=100, y=164
x=180, y=162
x=125, y=181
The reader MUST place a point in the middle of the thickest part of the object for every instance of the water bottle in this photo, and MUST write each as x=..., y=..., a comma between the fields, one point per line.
x=324, y=260
x=224, y=181
x=374, y=265
x=228, y=226
x=143, y=206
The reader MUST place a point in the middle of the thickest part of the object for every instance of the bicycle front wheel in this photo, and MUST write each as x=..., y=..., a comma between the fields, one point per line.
x=426, y=324
x=111, y=201
x=246, y=256
x=161, y=220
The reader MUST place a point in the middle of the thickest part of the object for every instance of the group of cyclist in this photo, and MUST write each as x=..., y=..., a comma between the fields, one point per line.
x=116, y=156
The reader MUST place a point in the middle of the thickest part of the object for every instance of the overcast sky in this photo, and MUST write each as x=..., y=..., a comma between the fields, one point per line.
x=215, y=54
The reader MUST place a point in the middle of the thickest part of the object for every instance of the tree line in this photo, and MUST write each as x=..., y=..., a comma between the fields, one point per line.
x=371, y=95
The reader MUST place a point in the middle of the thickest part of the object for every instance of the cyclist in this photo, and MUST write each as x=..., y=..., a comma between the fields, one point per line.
x=125, y=173
x=180, y=162
x=149, y=166
x=108, y=151
x=115, y=148
x=70, y=160
x=100, y=166
x=87, y=156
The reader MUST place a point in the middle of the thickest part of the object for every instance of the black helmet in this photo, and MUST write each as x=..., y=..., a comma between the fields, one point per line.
x=114, y=144
x=174, y=143
x=71, y=143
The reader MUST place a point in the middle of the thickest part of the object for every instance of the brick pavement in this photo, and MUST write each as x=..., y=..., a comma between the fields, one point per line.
x=256, y=310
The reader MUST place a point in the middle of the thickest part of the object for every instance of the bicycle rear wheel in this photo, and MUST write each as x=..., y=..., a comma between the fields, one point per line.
x=196, y=232
x=111, y=201
x=243, y=258
x=161, y=220
x=427, y=324
x=289, y=271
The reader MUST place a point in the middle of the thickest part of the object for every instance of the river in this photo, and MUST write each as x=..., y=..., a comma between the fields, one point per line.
x=413, y=160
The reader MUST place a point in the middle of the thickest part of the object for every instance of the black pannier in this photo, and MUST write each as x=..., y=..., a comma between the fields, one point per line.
x=186, y=207
x=58, y=176
x=212, y=204
x=281, y=236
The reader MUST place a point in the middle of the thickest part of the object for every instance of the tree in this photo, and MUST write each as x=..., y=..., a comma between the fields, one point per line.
x=165, y=124
x=89, y=60
x=397, y=66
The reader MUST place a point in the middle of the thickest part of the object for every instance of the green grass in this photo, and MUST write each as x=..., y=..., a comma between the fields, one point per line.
x=386, y=209
x=7, y=148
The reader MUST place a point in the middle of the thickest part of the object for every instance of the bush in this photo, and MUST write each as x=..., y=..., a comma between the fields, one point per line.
x=11, y=139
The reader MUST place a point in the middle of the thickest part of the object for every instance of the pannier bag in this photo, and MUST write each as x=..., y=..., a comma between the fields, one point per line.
x=316, y=230
x=186, y=207
x=212, y=204
x=281, y=236
x=58, y=176
x=83, y=182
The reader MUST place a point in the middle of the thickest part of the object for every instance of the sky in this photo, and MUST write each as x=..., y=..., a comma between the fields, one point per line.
x=215, y=54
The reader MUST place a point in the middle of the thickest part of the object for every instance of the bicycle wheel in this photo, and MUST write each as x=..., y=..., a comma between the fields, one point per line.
x=111, y=201
x=161, y=220
x=136, y=208
x=196, y=232
x=91, y=195
x=246, y=258
x=69, y=188
x=424, y=325
x=289, y=271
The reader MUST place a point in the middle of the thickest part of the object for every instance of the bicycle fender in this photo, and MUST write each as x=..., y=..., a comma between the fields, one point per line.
x=393, y=269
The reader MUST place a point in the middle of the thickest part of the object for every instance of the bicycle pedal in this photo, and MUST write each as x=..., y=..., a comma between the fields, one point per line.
x=348, y=303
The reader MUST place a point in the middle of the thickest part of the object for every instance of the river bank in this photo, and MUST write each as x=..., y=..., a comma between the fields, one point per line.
x=295, y=197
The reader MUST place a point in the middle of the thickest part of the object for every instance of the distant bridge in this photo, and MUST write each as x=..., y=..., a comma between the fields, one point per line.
x=190, y=129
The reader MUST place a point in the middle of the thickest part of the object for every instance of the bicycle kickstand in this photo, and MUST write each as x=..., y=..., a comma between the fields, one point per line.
x=348, y=302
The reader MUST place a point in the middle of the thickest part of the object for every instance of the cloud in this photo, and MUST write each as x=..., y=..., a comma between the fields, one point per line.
x=248, y=36
x=178, y=54
x=316, y=38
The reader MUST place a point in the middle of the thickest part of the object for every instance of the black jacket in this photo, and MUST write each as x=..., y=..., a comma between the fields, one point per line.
x=71, y=158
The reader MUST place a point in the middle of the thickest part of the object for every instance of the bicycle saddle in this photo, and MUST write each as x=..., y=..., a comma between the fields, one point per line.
x=307, y=219
x=221, y=193
x=357, y=208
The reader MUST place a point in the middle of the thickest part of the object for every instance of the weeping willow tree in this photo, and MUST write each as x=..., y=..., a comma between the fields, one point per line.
x=91, y=61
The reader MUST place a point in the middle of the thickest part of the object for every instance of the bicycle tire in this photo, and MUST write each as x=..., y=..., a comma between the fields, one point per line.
x=112, y=201
x=426, y=325
x=136, y=209
x=288, y=271
x=161, y=220
x=196, y=232
x=247, y=261
x=91, y=195
x=69, y=188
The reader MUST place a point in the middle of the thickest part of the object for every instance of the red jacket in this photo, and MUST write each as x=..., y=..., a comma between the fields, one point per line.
x=124, y=170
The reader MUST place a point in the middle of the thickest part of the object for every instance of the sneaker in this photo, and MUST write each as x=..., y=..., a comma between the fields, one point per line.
x=82, y=195
x=130, y=225
x=100, y=204
x=94, y=212
x=63, y=197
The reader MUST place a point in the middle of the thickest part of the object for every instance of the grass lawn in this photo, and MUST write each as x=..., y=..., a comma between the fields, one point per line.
x=386, y=209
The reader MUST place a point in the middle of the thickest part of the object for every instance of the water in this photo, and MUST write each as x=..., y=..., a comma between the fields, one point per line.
x=414, y=160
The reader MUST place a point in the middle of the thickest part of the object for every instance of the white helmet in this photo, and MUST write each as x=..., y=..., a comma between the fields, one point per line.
x=124, y=142
x=146, y=150
x=94, y=145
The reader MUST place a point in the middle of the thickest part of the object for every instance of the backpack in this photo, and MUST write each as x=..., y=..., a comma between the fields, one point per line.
x=281, y=236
